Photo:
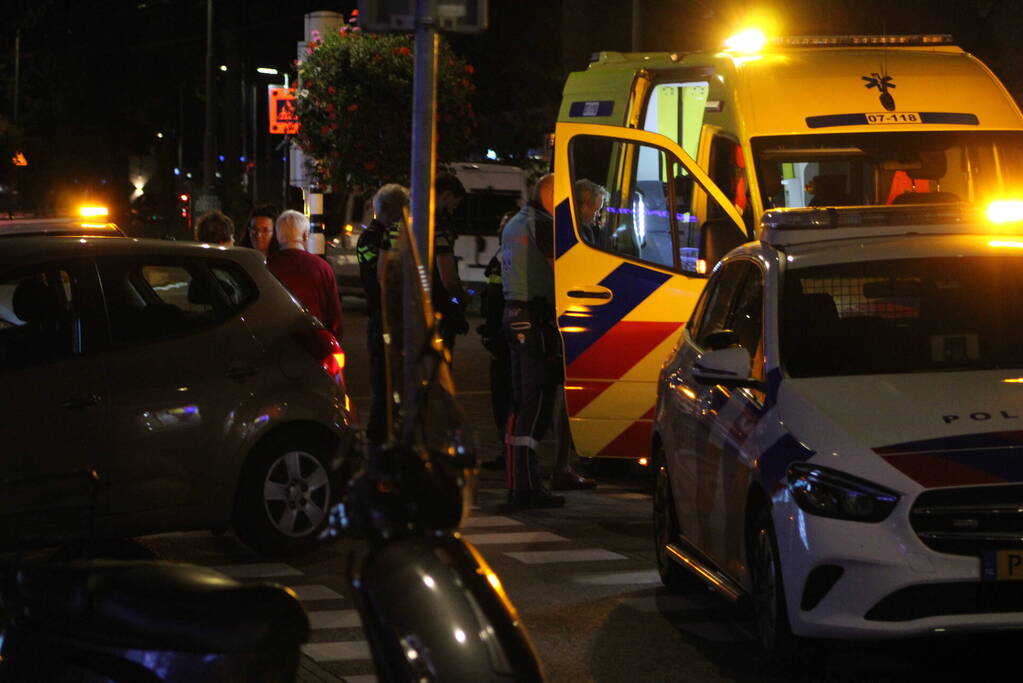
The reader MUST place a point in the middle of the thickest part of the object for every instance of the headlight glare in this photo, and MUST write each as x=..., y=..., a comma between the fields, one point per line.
x=828, y=493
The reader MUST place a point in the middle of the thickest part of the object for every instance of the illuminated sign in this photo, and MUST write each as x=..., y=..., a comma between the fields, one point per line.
x=283, y=118
x=19, y=160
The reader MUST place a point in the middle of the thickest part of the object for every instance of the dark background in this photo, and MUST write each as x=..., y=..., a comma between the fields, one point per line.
x=100, y=79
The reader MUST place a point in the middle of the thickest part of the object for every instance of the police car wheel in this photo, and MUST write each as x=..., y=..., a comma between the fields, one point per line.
x=284, y=496
x=666, y=530
x=769, y=608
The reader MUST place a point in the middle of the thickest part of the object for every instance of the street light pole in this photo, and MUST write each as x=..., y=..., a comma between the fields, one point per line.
x=209, y=139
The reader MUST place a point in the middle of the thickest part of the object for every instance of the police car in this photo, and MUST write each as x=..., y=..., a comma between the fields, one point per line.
x=838, y=431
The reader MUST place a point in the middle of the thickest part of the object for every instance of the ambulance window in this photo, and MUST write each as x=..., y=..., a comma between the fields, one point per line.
x=728, y=171
x=621, y=198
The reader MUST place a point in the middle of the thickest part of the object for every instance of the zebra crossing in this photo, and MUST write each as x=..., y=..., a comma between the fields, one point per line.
x=338, y=645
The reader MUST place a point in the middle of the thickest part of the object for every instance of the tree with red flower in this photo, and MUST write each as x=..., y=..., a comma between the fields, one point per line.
x=365, y=81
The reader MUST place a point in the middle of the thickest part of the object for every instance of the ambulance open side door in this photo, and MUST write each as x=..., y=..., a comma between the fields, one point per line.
x=628, y=276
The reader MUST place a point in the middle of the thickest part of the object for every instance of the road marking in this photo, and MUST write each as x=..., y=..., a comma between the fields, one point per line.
x=619, y=578
x=514, y=537
x=491, y=521
x=316, y=593
x=337, y=618
x=337, y=651
x=257, y=570
x=551, y=556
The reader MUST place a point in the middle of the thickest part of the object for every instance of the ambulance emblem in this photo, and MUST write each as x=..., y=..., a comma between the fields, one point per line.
x=883, y=83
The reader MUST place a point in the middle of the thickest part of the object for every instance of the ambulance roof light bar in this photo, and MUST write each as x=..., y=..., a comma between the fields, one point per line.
x=781, y=227
x=861, y=40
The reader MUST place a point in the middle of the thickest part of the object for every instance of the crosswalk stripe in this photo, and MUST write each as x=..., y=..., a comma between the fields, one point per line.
x=490, y=521
x=316, y=593
x=257, y=570
x=618, y=578
x=513, y=537
x=346, y=650
x=334, y=618
x=551, y=556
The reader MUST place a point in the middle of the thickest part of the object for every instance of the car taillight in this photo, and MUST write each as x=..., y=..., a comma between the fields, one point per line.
x=324, y=347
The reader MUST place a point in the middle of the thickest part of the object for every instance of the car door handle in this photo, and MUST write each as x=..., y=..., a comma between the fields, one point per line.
x=602, y=293
x=240, y=374
x=79, y=401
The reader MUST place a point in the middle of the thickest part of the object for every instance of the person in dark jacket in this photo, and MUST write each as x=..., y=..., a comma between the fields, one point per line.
x=388, y=206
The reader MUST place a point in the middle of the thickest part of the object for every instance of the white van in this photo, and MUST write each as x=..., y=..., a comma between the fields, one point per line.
x=491, y=191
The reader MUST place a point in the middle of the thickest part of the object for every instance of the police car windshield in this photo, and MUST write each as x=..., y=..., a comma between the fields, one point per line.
x=878, y=168
x=903, y=316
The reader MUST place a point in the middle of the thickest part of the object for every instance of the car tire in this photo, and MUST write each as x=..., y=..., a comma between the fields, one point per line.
x=769, y=607
x=666, y=530
x=284, y=496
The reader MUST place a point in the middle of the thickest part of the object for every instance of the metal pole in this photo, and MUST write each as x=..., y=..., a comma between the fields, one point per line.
x=181, y=128
x=209, y=140
x=635, y=25
x=17, y=73
x=255, y=144
x=422, y=174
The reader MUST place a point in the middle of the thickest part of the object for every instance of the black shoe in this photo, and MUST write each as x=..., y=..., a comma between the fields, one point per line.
x=495, y=464
x=524, y=500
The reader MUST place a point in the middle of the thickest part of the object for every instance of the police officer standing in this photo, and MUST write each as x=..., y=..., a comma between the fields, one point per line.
x=388, y=206
x=527, y=271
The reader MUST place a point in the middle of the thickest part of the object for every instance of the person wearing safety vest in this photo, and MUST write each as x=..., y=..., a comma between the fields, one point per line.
x=527, y=274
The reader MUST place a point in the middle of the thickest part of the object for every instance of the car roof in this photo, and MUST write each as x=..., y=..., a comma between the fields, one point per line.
x=58, y=226
x=890, y=247
x=30, y=249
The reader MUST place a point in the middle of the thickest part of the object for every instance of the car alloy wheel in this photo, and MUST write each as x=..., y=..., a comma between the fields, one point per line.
x=666, y=530
x=296, y=493
x=769, y=607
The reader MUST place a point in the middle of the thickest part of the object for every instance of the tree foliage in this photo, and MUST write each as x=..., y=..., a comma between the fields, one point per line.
x=354, y=106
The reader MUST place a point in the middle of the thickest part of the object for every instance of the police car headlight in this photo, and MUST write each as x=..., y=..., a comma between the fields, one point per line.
x=828, y=493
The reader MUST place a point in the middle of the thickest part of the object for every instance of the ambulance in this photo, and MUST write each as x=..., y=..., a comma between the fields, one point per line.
x=692, y=149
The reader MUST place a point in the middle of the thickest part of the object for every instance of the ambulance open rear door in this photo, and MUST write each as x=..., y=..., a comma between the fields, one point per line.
x=627, y=279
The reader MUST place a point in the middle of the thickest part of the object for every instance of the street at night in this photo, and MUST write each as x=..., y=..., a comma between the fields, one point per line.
x=469, y=340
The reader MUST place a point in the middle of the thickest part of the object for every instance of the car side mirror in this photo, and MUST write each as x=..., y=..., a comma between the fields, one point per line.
x=729, y=367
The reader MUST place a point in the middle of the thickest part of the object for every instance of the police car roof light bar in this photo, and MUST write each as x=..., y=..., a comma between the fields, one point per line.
x=781, y=227
x=856, y=40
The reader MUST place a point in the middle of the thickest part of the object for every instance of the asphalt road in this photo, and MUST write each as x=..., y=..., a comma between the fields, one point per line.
x=583, y=580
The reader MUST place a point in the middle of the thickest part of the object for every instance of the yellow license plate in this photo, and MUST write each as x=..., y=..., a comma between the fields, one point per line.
x=1002, y=565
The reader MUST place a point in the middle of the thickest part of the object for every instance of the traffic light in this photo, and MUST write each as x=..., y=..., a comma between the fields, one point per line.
x=185, y=208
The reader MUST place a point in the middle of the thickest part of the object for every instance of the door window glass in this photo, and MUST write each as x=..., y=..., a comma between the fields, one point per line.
x=718, y=298
x=237, y=287
x=746, y=318
x=42, y=316
x=149, y=300
x=635, y=201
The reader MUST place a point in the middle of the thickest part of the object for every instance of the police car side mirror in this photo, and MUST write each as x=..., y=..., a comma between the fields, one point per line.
x=729, y=367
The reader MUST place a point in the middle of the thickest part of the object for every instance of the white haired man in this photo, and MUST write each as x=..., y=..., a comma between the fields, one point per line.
x=308, y=277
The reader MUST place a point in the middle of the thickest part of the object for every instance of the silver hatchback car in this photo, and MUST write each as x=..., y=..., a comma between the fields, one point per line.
x=185, y=375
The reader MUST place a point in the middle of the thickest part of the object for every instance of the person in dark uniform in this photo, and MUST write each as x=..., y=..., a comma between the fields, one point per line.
x=527, y=273
x=388, y=205
x=449, y=298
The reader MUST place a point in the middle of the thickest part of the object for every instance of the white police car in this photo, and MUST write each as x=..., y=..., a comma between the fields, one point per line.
x=839, y=430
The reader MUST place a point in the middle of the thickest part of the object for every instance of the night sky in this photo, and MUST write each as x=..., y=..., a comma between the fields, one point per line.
x=100, y=79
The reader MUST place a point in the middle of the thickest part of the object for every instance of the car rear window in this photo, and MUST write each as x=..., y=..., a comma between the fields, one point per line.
x=903, y=316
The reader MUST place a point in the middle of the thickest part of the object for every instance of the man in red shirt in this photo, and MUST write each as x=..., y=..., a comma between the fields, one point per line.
x=309, y=278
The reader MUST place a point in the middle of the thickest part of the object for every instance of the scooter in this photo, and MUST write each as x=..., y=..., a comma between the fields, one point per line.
x=107, y=621
x=431, y=607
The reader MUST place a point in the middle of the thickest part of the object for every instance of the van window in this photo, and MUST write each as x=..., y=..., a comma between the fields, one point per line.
x=675, y=110
x=850, y=169
x=645, y=213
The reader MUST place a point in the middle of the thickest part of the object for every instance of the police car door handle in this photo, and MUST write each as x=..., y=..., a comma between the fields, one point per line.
x=597, y=292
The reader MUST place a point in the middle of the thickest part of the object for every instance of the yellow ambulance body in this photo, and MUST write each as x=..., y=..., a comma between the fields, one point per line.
x=692, y=149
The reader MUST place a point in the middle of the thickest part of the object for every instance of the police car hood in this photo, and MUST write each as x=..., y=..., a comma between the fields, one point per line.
x=937, y=429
